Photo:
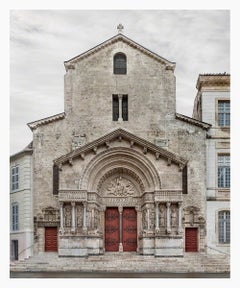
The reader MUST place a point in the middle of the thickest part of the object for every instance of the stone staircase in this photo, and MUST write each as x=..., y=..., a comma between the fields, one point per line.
x=124, y=262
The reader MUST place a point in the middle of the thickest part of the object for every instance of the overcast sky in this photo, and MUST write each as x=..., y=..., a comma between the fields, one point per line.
x=41, y=40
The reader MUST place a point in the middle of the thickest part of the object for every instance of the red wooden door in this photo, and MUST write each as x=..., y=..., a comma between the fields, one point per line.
x=51, y=239
x=129, y=229
x=112, y=229
x=191, y=240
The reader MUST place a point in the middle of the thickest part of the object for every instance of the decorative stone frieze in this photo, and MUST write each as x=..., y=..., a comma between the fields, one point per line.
x=72, y=195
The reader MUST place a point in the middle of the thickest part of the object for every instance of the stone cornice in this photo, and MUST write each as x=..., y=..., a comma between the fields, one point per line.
x=44, y=121
x=119, y=37
x=122, y=134
x=210, y=80
x=192, y=121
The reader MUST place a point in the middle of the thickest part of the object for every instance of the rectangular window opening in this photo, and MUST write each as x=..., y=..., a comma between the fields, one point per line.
x=224, y=227
x=224, y=113
x=15, y=178
x=125, y=107
x=115, y=108
x=224, y=173
x=15, y=216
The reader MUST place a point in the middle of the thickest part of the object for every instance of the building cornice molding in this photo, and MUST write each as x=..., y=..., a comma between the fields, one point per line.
x=118, y=135
x=44, y=121
x=213, y=80
x=193, y=121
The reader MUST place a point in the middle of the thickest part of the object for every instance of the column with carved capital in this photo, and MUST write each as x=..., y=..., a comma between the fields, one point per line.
x=120, y=209
x=73, y=216
x=148, y=218
x=168, y=217
x=120, y=107
x=92, y=218
x=157, y=215
x=61, y=216
x=179, y=217
x=139, y=223
x=84, y=215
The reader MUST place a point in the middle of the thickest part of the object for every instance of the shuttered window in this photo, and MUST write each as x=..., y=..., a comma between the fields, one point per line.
x=120, y=64
x=15, y=217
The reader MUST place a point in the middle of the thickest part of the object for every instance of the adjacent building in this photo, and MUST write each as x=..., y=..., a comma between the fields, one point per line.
x=21, y=213
x=212, y=105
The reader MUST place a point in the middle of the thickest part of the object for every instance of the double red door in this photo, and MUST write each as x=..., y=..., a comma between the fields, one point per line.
x=51, y=239
x=116, y=233
x=191, y=240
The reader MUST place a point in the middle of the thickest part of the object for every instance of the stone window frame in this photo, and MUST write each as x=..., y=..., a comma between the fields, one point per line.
x=15, y=172
x=120, y=107
x=224, y=99
x=221, y=244
x=15, y=216
x=120, y=65
x=217, y=171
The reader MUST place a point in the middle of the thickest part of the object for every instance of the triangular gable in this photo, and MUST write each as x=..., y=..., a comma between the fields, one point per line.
x=122, y=134
x=119, y=37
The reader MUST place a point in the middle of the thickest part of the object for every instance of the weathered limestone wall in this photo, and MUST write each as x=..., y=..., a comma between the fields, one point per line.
x=88, y=106
x=89, y=88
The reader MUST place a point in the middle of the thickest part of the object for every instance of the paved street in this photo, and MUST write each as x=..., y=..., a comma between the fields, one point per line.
x=115, y=275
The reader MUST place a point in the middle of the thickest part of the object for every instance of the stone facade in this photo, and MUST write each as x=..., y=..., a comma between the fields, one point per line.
x=212, y=89
x=21, y=223
x=154, y=162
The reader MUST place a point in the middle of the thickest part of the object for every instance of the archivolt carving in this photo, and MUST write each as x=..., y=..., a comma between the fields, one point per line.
x=125, y=158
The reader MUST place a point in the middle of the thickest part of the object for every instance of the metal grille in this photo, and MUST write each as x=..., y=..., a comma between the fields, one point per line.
x=224, y=171
x=224, y=113
x=224, y=227
x=120, y=64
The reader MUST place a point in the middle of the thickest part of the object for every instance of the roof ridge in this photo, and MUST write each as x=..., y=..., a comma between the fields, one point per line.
x=69, y=63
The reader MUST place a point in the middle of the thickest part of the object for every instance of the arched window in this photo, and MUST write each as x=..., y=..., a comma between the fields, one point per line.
x=224, y=227
x=120, y=64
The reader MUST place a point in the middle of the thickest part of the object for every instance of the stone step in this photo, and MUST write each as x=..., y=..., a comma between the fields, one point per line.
x=126, y=262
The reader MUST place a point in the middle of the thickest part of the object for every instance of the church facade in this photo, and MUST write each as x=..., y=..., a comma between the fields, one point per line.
x=119, y=170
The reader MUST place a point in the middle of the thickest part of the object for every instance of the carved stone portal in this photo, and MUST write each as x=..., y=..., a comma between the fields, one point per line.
x=120, y=187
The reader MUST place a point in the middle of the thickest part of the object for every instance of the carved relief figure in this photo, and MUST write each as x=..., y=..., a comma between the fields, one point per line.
x=96, y=219
x=144, y=219
x=120, y=187
x=152, y=219
x=162, y=216
x=174, y=217
x=68, y=216
x=79, y=214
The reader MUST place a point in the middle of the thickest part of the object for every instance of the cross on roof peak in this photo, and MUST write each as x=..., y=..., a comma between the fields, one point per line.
x=120, y=28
